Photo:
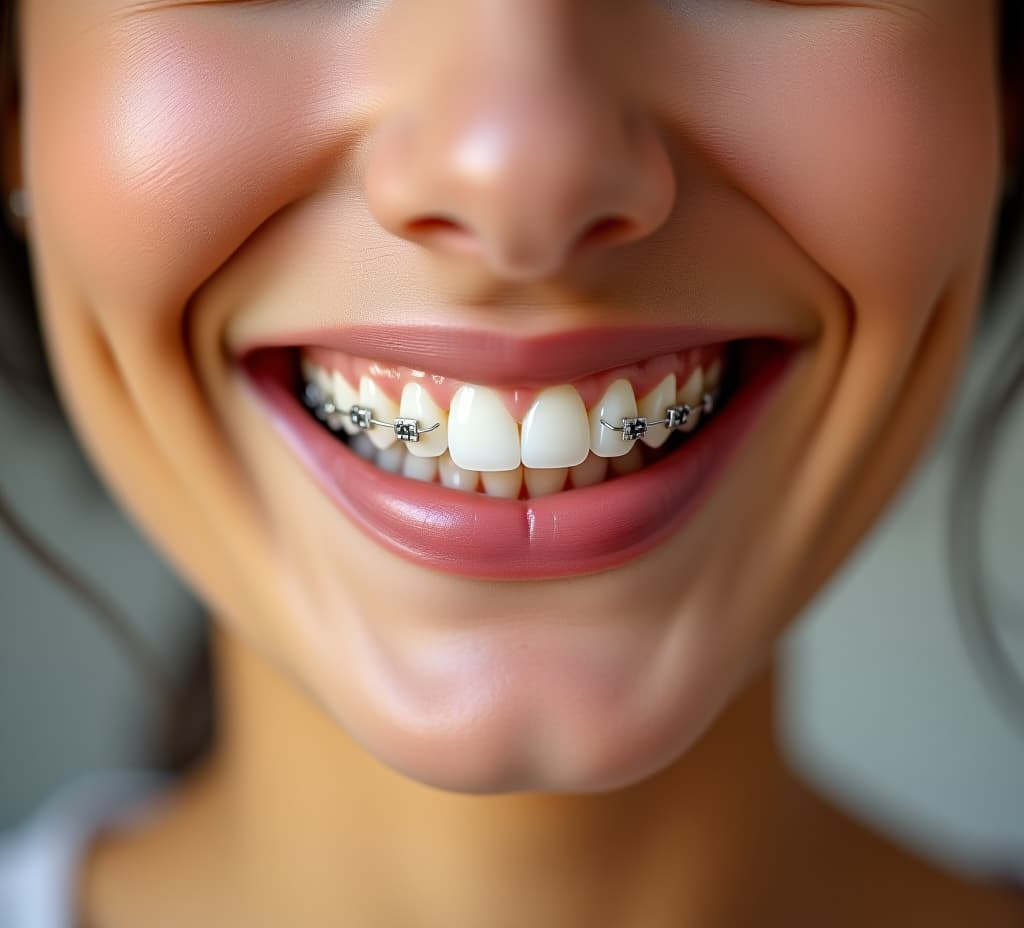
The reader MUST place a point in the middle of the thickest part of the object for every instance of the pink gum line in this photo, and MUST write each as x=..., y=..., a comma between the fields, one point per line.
x=644, y=376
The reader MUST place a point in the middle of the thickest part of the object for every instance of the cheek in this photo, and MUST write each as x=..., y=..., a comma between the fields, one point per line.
x=872, y=141
x=187, y=129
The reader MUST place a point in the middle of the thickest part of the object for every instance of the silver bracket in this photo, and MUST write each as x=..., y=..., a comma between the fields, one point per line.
x=634, y=427
x=361, y=416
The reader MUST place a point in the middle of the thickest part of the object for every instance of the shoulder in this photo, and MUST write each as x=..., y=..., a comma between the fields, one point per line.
x=39, y=859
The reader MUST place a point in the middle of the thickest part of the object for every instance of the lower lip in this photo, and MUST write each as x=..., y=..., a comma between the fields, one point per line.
x=567, y=534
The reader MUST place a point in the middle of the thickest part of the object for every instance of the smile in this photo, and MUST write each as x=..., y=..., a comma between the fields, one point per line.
x=507, y=481
x=512, y=443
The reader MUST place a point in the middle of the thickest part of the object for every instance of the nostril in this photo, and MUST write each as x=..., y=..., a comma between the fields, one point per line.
x=429, y=225
x=606, y=231
x=444, y=232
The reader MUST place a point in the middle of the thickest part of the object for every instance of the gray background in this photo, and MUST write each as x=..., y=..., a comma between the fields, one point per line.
x=883, y=709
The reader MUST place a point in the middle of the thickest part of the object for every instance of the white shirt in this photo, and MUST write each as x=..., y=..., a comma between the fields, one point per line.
x=40, y=860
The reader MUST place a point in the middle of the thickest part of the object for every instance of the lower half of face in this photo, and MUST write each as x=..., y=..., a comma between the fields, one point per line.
x=509, y=396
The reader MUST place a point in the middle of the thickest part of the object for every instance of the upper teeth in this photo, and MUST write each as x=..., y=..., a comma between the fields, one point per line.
x=480, y=434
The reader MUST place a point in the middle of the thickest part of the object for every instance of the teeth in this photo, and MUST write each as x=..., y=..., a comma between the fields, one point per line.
x=592, y=471
x=628, y=463
x=555, y=431
x=479, y=445
x=690, y=393
x=653, y=406
x=617, y=403
x=482, y=435
x=454, y=476
x=362, y=446
x=417, y=404
x=384, y=408
x=503, y=483
x=392, y=458
x=316, y=374
x=345, y=396
x=545, y=481
x=424, y=469
x=713, y=375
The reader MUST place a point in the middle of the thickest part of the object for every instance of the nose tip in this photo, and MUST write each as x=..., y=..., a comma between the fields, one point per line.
x=523, y=185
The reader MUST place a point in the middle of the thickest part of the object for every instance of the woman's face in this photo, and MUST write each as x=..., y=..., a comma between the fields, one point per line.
x=513, y=218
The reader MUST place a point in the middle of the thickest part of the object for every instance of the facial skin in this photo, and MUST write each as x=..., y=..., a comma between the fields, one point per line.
x=204, y=173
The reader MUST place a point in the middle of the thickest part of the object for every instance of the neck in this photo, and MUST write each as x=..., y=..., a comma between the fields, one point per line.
x=311, y=823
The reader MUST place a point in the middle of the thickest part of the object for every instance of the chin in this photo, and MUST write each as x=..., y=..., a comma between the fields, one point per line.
x=535, y=706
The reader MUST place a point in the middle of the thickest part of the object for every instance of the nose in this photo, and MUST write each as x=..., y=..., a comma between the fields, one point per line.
x=517, y=147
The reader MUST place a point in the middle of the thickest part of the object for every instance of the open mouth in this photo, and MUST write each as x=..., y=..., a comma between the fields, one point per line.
x=494, y=478
x=512, y=443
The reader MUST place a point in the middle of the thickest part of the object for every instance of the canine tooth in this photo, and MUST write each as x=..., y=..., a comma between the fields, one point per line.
x=690, y=393
x=618, y=403
x=384, y=409
x=345, y=397
x=543, y=481
x=652, y=407
x=628, y=463
x=556, y=432
x=391, y=458
x=418, y=404
x=482, y=435
x=454, y=476
x=311, y=372
x=503, y=483
x=713, y=375
x=592, y=471
x=321, y=377
x=424, y=469
x=362, y=446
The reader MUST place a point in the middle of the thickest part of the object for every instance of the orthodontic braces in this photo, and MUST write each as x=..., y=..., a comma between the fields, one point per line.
x=361, y=416
x=632, y=428
x=635, y=427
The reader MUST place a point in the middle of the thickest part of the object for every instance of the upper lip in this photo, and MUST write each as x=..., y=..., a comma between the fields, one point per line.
x=499, y=359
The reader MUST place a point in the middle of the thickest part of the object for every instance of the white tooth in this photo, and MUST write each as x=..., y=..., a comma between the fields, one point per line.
x=503, y=483
x=454, y=476
x=618, y=403
x=424, y=469
x=315, y=374
x=713, y=375
x=691, y=394
x=310, y=370
x=391, y=459
x=629, y=463
x=556, y=432
x=482, y=435
x=592, y=471
x=321, y=377
x=384, y=409
x=419, y=405
x=544, y=481
x=362, y=446
x=652, y=407
x=345, y=397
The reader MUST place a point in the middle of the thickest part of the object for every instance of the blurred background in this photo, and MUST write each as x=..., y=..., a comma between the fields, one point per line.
x=883, y=708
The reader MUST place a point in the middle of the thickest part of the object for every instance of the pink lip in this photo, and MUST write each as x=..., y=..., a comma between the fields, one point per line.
x=499, y=360
x=570, y=533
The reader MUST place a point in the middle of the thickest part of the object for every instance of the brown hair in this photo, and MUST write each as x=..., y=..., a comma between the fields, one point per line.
x=190, y=722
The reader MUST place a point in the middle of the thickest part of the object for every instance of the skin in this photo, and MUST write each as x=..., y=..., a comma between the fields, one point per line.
x=586, y=751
